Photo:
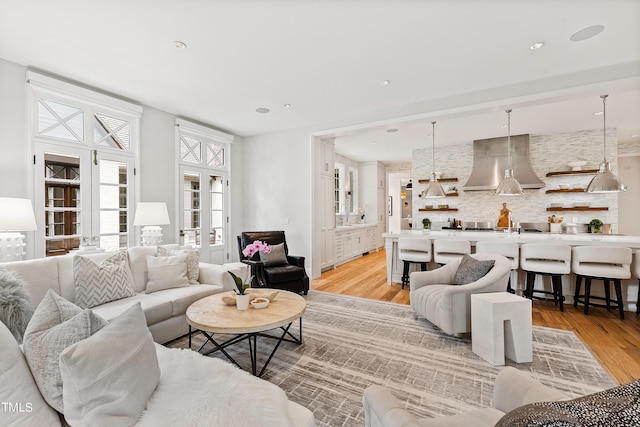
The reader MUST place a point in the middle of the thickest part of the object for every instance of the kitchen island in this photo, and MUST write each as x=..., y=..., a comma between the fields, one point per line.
x=630, y=287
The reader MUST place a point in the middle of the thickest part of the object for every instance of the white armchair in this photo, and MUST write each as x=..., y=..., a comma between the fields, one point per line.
x=512, y=389
x=448, y=306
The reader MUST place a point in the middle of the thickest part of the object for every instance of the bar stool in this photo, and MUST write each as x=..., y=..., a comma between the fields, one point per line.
x=411, y=250
x=545, y=260
x=508, y=250
x=606, y=263
x=447, y=250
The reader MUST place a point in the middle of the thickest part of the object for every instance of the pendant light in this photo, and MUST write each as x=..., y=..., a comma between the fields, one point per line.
x=605, y=181
x=509, y=186
x=434, y=189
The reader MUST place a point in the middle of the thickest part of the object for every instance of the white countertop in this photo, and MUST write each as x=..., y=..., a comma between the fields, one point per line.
x=525, y=237
x=354, y=226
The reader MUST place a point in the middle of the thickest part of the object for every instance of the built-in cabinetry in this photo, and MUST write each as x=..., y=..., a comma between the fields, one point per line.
x=327, y=211
x=354, y=241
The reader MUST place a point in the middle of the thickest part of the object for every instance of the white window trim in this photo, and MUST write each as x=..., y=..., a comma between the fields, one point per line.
x=39, y=84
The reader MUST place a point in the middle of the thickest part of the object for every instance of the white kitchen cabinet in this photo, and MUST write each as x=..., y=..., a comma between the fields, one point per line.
x=328, y=158
x=352, y=242
x=326, y=210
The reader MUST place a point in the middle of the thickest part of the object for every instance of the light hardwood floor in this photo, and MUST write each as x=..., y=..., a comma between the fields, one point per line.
x=614, y=342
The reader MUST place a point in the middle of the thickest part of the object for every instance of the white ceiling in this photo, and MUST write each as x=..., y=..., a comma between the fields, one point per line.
x=460, y=62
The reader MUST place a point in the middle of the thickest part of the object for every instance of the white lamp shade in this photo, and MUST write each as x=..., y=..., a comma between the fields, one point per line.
x=16, y=215
x=151, y=213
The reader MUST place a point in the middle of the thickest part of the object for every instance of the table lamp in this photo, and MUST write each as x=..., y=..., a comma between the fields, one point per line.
x=15, y=215
x=151, y=215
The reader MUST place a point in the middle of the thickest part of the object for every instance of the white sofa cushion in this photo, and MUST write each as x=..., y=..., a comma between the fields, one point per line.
x=233, y=398
x=109, y=377
x=167, y=272
x=18, y=389
x=97, y=284
x=182, y=298
x=193, y=260
x=155, y=309
x=39, y=275
x=138, y=264
x=55, y=325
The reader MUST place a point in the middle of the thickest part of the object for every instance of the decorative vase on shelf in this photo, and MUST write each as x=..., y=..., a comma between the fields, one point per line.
x=242, y=301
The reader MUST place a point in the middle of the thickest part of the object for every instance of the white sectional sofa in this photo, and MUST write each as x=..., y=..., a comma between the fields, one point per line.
x=182, y=386
x=164, y=310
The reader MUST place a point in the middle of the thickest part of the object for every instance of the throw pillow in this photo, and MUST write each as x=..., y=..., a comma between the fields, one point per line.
x=277, y=256
x=617, y=406
x=18, y=389
x=15, y=304
x=97, y=284
x=471, y=269
x=55, y=325
x=167, y=272
x=109, y=377
x=193, y=261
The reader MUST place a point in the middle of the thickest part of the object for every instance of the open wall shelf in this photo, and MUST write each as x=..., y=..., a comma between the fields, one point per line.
x=604, y=208
x=583, y=172
x=426, y=181
x=438, y=209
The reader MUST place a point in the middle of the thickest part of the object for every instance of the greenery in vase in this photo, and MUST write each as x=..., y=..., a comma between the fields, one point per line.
x=241, y=285
x=596, y=225
x=426, y=222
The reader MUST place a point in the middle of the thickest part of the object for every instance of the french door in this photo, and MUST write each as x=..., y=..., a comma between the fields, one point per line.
x=204, y=212
x=85, y=195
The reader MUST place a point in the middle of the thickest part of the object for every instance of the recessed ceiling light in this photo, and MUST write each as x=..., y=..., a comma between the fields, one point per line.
x=262, y=110
x=374, y=142
x=586, y=33
x=536, y=46
x=597, y=113
x=635, y=135
x=503, y=126
x=384, y=82
x=392, y=130
x=179, y=45
x=287, y=105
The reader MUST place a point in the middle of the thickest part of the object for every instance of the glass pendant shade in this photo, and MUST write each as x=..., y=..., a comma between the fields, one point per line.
x=509, y=186
x=434, y=189
x=605, y=181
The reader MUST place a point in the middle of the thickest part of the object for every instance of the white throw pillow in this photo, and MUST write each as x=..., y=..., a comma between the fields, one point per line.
x=22, y=402
x=97, y=284
x=55, y=325
x=167, y=272
x=193, y=261
x=109, y=377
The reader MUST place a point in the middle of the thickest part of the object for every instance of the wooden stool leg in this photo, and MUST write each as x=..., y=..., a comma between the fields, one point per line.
x=530, y=282
x=557, y=285
x=587, y=292
x=578, y=286
x=405, y=273
x=607, y=294
x=618, y=287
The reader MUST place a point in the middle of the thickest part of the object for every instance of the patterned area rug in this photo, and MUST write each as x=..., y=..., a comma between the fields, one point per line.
x=351, y=343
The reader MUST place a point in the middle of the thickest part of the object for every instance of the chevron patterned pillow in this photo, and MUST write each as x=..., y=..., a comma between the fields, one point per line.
x=98, y=284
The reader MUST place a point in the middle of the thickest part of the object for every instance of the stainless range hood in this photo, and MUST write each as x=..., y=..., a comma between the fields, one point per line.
x=490, y=159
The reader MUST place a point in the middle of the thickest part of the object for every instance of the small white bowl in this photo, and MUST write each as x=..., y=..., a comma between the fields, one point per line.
x=564, y=186
x=582, y=204
x=577, y=165
x=556, y=205
x=259, y=303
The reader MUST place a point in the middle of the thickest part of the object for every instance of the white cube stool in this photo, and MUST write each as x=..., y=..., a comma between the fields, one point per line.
x=501, y=325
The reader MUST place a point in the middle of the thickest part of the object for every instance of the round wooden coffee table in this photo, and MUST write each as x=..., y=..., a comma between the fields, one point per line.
x=212, y=316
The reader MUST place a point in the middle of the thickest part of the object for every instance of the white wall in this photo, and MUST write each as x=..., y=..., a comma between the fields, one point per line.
x=278, y=188
x=158, y=167
x=15, y=179
x=629, y=201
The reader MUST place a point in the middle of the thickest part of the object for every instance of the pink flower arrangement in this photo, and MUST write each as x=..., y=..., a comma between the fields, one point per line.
x=256, y=246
